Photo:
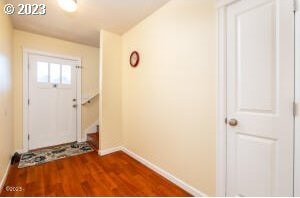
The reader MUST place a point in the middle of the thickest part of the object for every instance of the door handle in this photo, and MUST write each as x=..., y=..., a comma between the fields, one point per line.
x=233, y=122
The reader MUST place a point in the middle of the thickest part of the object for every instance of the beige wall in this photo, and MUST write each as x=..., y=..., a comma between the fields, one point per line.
x=90, y=74
x=169, y=100
x=6, y=108
x=111, y=117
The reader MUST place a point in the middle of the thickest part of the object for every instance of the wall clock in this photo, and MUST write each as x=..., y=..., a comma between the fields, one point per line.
x=134, y=59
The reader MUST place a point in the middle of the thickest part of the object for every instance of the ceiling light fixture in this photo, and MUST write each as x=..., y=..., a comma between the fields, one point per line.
x=68, y=5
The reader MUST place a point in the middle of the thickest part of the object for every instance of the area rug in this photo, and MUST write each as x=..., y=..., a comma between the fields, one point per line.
x=41, y=156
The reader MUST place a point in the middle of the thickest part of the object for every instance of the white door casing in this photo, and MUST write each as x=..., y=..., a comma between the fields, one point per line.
x=260, y=95
x=50, y=118
x=297, y=99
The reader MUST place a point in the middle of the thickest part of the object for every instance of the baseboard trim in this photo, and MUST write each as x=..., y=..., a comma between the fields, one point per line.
x=3, y=180
x=83, y=139
x=193, y=191
x=188, y=188
x=110, y=150
x=20, y=151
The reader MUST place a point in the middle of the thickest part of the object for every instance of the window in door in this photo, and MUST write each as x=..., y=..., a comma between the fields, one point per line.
x=42, y=72
x=66, y=74
x=54, y=73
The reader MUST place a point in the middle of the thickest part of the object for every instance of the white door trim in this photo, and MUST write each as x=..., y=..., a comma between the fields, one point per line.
x=101, y=63
x=223, y=3
x=26, y=53
x=221, y=106
x=297, y=130
x=221, y=143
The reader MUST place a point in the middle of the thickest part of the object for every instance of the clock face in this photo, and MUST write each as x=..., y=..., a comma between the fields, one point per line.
x=134, y=59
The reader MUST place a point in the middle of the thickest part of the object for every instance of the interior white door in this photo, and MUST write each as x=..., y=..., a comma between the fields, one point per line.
x=52, y=94
x=260, y=95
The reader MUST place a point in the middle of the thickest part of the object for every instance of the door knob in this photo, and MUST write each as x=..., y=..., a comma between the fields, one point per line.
x=233, y=122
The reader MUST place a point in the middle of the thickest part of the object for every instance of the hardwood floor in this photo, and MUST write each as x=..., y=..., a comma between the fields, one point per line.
x=90, y=175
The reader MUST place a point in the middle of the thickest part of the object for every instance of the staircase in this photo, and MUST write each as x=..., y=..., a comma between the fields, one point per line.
x=93, y=139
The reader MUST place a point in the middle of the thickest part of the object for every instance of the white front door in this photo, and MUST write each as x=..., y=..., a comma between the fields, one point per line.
x=52, y=94
x=260, y=95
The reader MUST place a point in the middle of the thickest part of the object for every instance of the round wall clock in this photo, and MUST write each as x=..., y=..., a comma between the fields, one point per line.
x=134, y=59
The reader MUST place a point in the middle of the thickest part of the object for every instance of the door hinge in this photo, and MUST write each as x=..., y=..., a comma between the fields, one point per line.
x=295, y=109
x=78, y=67
x=295, y=6
x=28, y=137
x=28, y=101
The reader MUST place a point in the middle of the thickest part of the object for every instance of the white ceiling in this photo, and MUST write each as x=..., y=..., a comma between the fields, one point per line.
x=83, y=26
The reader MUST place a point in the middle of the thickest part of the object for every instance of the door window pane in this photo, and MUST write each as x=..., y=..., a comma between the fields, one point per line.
x=66, y=74
x=42, y=72
x=54, y=73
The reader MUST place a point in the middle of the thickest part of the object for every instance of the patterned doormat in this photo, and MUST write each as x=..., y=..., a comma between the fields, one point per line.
x=41, y=156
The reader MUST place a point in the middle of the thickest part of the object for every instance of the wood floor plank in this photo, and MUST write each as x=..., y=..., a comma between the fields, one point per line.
x=90, y=175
